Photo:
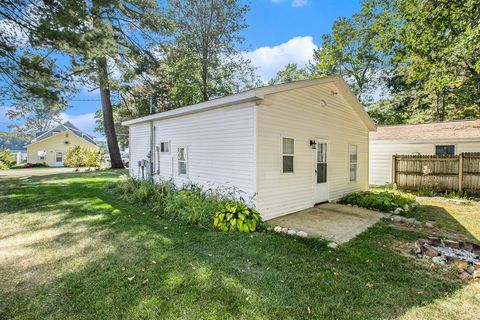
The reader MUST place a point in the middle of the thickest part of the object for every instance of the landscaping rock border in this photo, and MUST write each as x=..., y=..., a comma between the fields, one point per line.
x=290, y=231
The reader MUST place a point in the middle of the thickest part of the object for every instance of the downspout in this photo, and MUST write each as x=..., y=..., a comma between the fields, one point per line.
x=152, y=147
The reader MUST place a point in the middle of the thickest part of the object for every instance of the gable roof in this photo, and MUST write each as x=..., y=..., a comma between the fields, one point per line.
x=466, y=129
x=66, y=126
x=258, y=94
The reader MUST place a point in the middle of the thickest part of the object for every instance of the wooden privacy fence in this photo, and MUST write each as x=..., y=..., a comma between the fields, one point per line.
x=438, y=173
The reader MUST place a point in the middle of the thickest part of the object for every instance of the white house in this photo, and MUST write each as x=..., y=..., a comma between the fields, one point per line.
x=290, y=146
x=439, y=138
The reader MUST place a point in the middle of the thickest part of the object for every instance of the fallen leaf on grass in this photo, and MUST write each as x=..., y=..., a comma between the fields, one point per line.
x=191, y=265
x=145, y=281
x=210, y=255
x=153, y=262
x=309, y=311
x=142, y=270
x=131, y=278
x=336, y=274
x=123, y=268
x=369, y=285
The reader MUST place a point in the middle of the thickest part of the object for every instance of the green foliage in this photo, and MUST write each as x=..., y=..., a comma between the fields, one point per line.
x=381, y=200
x=82, y=157
x=234, y=216
x=351, y=51
x=290, y=73
x=191, y=204
x=7, y=160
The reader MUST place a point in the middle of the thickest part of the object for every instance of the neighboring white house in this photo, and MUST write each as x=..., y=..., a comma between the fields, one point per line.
x=419, y=139
x=290, y=146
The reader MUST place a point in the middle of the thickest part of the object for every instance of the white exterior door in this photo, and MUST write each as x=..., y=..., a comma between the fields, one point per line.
x=59, y=158
x=321, y=189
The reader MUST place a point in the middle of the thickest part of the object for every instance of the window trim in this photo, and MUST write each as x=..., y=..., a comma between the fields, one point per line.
x=169, y=147
x=446, y=145
x=186, y=162
x=287, y=155
x=350, y=162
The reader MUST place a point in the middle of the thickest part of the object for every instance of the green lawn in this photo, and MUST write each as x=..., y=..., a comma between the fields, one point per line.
x=70, y=249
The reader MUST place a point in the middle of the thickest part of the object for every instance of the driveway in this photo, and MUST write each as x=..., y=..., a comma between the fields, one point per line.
x=330, y=221
x=14, y=173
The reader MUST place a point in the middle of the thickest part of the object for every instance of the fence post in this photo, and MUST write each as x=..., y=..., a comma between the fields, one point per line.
x=460, y=172
x=394, y=169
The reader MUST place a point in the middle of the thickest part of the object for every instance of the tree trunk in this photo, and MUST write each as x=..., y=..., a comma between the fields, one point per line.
x=108, y=124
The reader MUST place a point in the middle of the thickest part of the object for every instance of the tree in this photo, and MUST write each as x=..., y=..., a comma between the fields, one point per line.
x=351, y=51
x=101, y=38
x=440, y=54
x=290, y=73
x=204, y=60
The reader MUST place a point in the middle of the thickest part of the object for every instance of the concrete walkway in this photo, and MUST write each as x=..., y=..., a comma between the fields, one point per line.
x=331, y=221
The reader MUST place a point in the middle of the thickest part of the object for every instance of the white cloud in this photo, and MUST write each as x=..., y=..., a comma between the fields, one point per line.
x=84, y=122
x=299, y=3
x=270, y=60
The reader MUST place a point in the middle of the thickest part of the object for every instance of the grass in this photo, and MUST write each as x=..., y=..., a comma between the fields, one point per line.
x=68, y=248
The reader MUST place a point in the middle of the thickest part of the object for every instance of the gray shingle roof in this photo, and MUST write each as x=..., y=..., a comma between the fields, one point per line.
x=61, y=128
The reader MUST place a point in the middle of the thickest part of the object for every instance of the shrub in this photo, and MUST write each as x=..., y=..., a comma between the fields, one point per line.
x=236, y=215
x=7, y=160
x=3, y=166
x=385, y=201
x=191, y=204
x=81, y=157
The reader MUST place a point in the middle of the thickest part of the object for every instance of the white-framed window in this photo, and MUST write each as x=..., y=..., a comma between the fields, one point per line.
x=165, y=147
x=288, y=155
x=443, y=150
x=182, y=158
x=58, y=156
x=353, y=151
x=42, y=155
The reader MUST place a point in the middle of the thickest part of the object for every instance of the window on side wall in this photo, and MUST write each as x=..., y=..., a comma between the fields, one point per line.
x=445, y=150
x=182, y=161
x=353, y=151
x=288, y=154
x=165, y=147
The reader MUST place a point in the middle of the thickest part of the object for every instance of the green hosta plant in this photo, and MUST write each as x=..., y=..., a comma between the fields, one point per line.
x=234, y=216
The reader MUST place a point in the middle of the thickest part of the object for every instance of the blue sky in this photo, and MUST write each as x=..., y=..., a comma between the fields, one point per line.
x=279, y=32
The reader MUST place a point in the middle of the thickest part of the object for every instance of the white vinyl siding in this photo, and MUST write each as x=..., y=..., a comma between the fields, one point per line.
x=300, y=114
x=220, y=148
x=381, y=152
x=139, y=146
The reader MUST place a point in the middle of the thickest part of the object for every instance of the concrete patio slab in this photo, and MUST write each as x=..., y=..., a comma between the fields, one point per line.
x=330, y=221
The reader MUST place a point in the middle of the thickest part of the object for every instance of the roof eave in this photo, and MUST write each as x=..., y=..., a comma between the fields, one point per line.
x=243, y=97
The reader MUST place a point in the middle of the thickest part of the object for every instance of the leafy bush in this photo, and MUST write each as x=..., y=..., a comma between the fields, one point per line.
x=81, y=157
x=236, y=216
x=191, y=204
x=385, y=201
x=3, y=166
x=7, y=160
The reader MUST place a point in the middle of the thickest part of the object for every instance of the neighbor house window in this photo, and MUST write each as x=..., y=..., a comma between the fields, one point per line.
x=353, y=150
x=287, y=155
x=445, y=150
x=165, y=147
x=41, y=154
x=182, y=161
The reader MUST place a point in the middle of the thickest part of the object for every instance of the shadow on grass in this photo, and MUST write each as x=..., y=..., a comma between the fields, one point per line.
x=70, y=247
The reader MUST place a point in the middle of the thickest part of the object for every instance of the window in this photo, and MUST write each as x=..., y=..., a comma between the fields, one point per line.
x=59, y=157
x=321, y=162
x=165, y=147
x=353, y=150
x=445, y=150
x=41, y=154
x=182, y=161
x=287, y=155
